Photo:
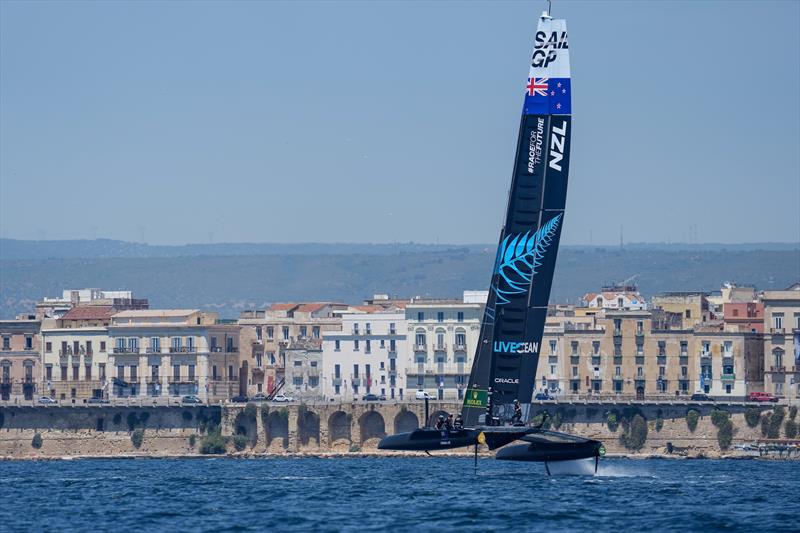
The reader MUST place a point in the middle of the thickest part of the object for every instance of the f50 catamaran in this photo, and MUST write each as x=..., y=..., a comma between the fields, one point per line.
x=504, y=367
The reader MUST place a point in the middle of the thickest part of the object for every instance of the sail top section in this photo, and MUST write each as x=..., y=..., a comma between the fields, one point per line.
x=548, y=89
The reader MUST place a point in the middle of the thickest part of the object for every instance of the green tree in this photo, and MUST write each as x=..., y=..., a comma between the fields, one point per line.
x=213, y=443
x=37, y=441
x=635, y=435
x=692, y=416
x=192, y=440
x=775, y=422
x=137, y=437
x=752, y=416
x=719, y=417
x=239, y=442
x=612, y=421
x=725, y=433
x=791, y=429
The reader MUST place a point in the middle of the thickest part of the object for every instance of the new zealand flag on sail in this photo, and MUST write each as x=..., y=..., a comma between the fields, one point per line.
x=547, y=96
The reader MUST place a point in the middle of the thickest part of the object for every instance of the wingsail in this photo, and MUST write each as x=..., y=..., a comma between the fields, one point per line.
x=504, y=367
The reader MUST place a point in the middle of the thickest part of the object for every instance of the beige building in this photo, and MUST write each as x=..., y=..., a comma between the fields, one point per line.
x=19, y=358
x=782, y=342
x=304, y=370
x=74, y=353
x=645, y=354
x=692, y=306
x=174, y=352
x=266, y=334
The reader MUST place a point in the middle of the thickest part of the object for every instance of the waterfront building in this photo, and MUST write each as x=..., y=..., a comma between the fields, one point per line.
x=58, y=307
x=366, y=355
x=19, y=358
x=692, y=306
x=442, y=339
x=615, y=297
x=175, y=352
x=303, y=370
x=74, y=353
x=641, y=354
x=782, y=342
x=267, y=333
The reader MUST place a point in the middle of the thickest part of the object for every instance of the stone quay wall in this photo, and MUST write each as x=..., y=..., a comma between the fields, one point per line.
x=275, y=429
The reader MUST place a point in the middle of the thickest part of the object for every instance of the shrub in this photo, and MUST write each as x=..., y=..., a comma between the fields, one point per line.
x=793, y=412
x=719, y=417
x=187, y=415
x=635, y=434
x=239, y=442
x=137, y=437
x=691, y=419
x=543, y=420
x=724, y=433
x=558, y=419
x=775, y=422
x=752, y=416
x=213, y=443
x=765, y=424
x=265, y=415
x=659, y=423
x=117, y=419
x=132, y=420
x=612, y=421
x=791, y=429
x=355, y=448
x=192, y=440
x=37, y=441
x=250, y=411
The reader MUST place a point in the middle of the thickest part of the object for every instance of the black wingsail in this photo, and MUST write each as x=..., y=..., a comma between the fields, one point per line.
x=504, y=367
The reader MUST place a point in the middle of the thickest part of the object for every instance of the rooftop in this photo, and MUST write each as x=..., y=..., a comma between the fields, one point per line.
x=90, y=312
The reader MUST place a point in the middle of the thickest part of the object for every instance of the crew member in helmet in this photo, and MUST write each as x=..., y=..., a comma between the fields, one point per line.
x=517, y=418
x=440, y=422
x=459, y=422
x=449, y=423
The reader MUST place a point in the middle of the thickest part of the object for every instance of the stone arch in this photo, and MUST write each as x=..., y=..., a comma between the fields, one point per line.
x=339, y=429
x=405, y=421
x=278, y=428
x=308, y=428
x=372, y=426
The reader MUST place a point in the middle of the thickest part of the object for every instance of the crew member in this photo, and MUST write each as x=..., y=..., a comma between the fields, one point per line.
x=449, y=423
x=517, y=418
x=440, y=422
x=459, y=422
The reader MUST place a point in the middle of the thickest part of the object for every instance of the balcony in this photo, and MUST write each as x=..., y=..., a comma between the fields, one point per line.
x=777, y=331
x=640, y=333
x=182, y=379
x=153, y=350
x=779, y=369
x=728, y=377
x=62, y=353
x=617, y=332
x=460, y=347
x=126, y=349
x=420, y=348
x=355, y=380
x=182, y=349
x=574, y=359
x=440, y=347
x=336, y=381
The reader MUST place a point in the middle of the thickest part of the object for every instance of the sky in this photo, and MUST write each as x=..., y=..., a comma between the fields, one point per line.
x=195, y=122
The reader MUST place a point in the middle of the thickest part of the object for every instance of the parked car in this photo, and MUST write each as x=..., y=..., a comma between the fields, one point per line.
x=421, y=395
x=191, y=398
x=260, y=397
x=98, y=400
x=280, y=398
x=701, y=397
x=372, y=398
x=239, y=399
x=761, y=397
x=47, y=400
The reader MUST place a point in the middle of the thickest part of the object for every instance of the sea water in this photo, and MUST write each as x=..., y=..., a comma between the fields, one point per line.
x=398, y=494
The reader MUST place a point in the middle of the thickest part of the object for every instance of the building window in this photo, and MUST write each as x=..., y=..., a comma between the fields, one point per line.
x=315, y=332
x=75, y=372
x=368, y=328
x=777, y=321
x=230, y=373
x=662, y=371
x=367, y=346
x=48, y=372
x=552, y=370
x=101, y=371
x=684, y=349
x=461, y=340
x=392, y=328
x=48, y=347
x=286, y=333
x=336, y=345
x=639, y=372
x=688, y=313
x=303, y=331
x=574, y=371
x=460, y=316
x=617, y=350
x=258, y=333
x=297, y=362
x=214, y=373
x=684, y=371
x=134, y=368
x=420, y=316
x=270, y=332
x=29, y=343
x=176, y=372
x=155, y=344
x=595, y=347
x=420, y=336
x=392, y=345
x=440, y=316
x=662, y=348
x=87, y=373
x=355, y=345
x=6, y=343
x=552, y=347
x=617, y=370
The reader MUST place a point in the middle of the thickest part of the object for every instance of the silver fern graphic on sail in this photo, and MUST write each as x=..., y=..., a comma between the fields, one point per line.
x=518, y=258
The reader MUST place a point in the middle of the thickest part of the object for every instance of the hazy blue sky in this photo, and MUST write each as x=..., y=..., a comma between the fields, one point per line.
x=377, y=122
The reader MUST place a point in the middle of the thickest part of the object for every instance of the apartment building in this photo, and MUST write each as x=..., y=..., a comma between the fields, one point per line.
x=615, y=297
x=782, y=342
x=692, y=306
x=366, y=355
x=304, y=370
x=175, y=352
x=442, y=339
x=58, y=306
x=645, y=354
x=74, y=353
x=267, y=333
x=19, y=358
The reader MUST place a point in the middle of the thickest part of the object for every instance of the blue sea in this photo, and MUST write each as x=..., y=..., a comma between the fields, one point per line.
x=397, y=494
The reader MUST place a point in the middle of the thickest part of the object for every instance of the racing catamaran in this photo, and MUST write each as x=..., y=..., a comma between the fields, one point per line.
x=497, y=402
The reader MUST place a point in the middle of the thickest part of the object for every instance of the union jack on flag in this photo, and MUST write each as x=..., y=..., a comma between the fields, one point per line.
x=537, y=86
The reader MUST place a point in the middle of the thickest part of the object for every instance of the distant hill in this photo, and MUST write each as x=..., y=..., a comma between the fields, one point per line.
x=231, y=279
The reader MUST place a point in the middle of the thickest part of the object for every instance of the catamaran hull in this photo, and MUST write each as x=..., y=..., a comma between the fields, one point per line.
x=422, y=440
x=550, y=452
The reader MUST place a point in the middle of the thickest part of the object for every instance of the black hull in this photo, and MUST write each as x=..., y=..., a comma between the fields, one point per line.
x=421, y=440
x=551, y=446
